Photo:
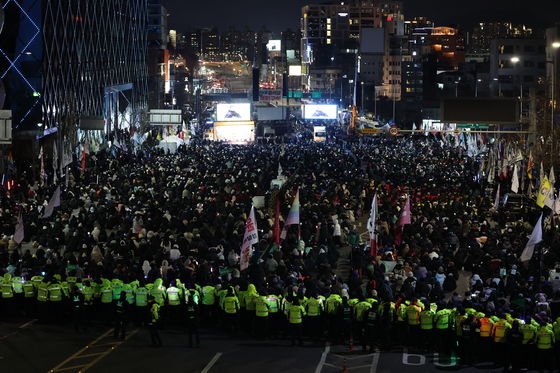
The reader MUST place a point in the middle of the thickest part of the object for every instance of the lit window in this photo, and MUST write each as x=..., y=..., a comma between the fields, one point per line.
x=328, y=33
x=328, y=41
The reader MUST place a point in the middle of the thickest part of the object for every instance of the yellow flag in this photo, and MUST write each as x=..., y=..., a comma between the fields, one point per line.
x=544, y=191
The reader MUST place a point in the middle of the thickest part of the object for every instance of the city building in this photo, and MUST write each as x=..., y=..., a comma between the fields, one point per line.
x=210, y=45
x=330, y=38
x=484, y=32
x=158, y=54
x=517, y=65
x=65, y=62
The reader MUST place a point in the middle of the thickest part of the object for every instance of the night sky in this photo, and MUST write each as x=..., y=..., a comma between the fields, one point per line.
x=278, y=15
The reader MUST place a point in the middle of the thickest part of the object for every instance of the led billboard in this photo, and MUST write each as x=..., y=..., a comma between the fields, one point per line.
x=274, y=45
x=294, y=70
x=320, y=112
x=233, y=112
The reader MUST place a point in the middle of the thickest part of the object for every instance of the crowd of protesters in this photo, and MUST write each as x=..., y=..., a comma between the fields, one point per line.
x=149, y=220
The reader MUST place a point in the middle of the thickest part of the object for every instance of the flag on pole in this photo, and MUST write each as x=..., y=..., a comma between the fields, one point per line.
x=541, y=174
x=544, y=191
x=84, y=152
x=53, y=202
x=250, y=238
x=405, y=215
x=276, y=232
x=19, y=232
x=279, y=170
x=43, y=174
x=55, y=164
x=497, y=199
x=371, y=227
x=515, y=179
x=530, y=166
x=403, y=220
x=535, y=238
x=551, y=176
x=293, y=215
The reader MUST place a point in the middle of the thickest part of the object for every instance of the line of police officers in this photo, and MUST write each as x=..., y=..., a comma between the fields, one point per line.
x=266, y=313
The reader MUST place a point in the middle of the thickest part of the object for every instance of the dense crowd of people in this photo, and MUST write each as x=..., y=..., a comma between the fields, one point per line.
x=154, y=238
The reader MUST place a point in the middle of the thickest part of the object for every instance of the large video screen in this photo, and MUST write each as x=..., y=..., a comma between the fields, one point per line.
x=233, y=112
x=319, y=112
x=242, y=133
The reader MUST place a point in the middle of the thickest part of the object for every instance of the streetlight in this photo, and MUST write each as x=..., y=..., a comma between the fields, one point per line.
x=456, y=88
x=555, y=46
x=515, y=60
x=499, y=86
x=476, y=87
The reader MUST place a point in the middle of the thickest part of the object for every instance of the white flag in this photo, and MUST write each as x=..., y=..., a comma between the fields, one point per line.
x=279, y=170
x=54, y=202
x=536, y=237
x=372, y=218
x=497, y=200
x=515, y=180
x=250, y=238
x=551, y=176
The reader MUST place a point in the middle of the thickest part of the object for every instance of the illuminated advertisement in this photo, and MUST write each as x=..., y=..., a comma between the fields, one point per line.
x=274, y=45
x=240, y=133
x=233, y=112
x=294, y=70
x=319, y=133
x=320, y=112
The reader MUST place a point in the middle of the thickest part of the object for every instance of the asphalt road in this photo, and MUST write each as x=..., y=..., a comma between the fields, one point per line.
x=29, y=347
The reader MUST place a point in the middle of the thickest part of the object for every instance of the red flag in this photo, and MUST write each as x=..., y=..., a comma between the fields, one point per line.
x=276, y=234
x=403, y=220
x=84, y=157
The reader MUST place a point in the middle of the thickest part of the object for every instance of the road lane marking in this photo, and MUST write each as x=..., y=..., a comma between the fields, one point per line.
x=28, y=324
x=18, y=329
x=323, y=359
x=211, y=363
x=375, y=361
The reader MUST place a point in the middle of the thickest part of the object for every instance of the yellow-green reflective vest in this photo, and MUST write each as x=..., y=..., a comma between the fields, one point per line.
x=29, y=289
x=7, y=290
x=295, y=314
x=314, y=307
x=141, y=297
x=173, y=296
x=17, y=283
x=273, y=303
x=231, y=304
x=208, y=295
x=427, y=319
x=261, y=307
x=55, y=293
x=545, y=338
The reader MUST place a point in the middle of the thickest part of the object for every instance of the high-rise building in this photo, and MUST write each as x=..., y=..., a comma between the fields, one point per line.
x=484, y=32
x=158, y=54
x=517, y=65
x=210, y=44
x=63, y=61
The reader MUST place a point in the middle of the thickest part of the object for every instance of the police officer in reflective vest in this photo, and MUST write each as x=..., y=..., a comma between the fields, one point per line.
x=295, y=313
x=193, y=320
x=78, y=318
x=121, y=316
x=153, y=319
x=314, y=308
x=262, y=309
x=545, y=344
x=231, y=310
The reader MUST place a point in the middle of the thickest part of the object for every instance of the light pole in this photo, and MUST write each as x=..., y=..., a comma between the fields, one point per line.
x=555, y=47
x=362, y=83
x=476, y=87
x=499, y=86
x=456, y=89
x=515, y=60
